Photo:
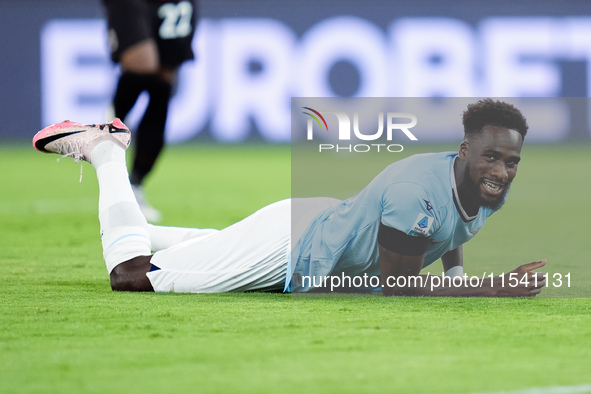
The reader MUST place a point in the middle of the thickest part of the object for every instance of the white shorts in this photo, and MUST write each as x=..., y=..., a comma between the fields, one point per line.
x=249, y=255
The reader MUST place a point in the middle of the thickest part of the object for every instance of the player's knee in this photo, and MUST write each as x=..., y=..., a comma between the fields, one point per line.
x=141, y=58
x=131, y=275
x=119, y=280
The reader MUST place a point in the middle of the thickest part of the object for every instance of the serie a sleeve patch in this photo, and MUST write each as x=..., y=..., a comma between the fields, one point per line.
x=422, y=225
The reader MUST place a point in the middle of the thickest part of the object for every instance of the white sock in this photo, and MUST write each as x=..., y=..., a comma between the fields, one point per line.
x=164, y=237
x=124, y=233
x=105, y=152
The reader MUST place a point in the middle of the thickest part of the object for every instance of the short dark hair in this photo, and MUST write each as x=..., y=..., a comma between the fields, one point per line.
x=488, y=112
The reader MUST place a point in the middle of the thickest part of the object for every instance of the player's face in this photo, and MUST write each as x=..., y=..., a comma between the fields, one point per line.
x=491, y=158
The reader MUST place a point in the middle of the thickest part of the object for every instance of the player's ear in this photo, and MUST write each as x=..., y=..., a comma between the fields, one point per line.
x=463, y=151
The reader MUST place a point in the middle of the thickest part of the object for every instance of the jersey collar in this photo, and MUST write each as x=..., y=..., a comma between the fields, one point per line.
x=456, y=198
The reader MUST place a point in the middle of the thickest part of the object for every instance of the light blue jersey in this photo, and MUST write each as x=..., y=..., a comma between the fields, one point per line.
x=416, y=196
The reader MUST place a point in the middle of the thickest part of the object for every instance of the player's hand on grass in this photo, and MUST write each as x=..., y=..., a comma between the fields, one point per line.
x=521, y=282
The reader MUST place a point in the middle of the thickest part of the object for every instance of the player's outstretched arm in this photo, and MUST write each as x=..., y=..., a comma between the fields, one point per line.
x=400, y=277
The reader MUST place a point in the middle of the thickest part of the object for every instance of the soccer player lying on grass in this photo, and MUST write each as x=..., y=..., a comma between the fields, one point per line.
x=414, y=212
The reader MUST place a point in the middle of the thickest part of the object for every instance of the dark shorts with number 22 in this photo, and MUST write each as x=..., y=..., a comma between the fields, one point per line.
x=171, y=23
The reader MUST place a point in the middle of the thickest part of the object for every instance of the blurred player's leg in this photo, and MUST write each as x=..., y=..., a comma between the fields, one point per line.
x=149, y=49
x=140, y=66
x=139, y=63
x=150, y=132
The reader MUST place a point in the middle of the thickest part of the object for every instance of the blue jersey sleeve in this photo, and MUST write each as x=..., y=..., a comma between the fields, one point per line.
x=407, y=208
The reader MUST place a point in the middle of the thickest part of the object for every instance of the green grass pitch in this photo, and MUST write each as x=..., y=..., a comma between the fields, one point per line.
x=62, y=330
